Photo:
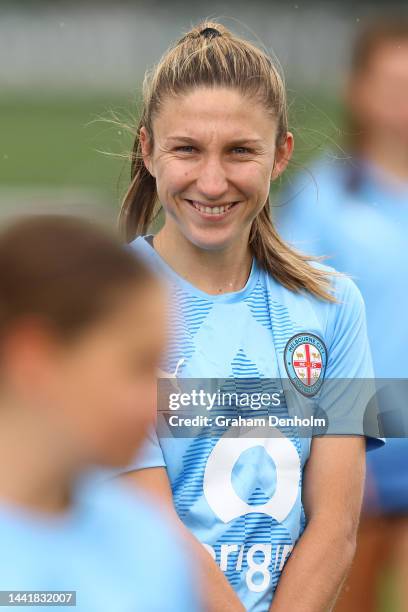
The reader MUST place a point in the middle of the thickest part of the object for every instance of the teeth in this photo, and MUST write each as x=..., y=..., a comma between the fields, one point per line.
x=212, y=210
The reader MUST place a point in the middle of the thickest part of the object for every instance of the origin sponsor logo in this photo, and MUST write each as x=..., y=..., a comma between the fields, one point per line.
x=258, y=570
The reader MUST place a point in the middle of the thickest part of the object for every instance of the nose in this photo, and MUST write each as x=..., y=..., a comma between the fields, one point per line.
x=212, y=181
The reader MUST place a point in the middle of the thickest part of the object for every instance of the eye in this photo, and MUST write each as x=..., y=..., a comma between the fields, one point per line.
x=241, y=150
x=185, y=149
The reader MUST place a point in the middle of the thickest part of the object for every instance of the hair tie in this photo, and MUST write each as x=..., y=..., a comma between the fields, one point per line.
x=210, y=33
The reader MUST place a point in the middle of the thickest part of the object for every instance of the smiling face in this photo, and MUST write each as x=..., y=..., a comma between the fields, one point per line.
x=213, y=156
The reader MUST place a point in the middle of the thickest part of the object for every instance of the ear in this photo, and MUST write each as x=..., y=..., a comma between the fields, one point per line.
x=146, y=147
x=29, y=355
x=283, y=154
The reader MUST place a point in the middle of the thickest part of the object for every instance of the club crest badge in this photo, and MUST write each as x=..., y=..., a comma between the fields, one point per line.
x=305, y=362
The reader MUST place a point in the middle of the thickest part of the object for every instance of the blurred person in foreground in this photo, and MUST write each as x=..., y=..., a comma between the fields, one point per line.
x=81, y=330
x=355, y=210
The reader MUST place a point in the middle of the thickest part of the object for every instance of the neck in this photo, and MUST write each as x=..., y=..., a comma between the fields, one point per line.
x=32, y=472
x=391, y=156
x=212, y=271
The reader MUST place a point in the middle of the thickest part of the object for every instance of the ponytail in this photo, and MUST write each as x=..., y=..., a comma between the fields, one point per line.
x=138, y=209
x=289, y=267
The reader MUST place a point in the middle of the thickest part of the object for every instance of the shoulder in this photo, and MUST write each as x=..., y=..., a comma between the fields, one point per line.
x=344, y=289
x=348, y=307
x=341, y=287
x=307, y=312
x=114, y=500
x=141, y=246
x=113, y=507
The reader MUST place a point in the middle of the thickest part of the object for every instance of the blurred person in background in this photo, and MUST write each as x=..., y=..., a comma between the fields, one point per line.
x=354, y=209
x=81, y=331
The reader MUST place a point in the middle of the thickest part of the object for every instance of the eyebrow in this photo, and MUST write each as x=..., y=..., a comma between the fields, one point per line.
x=236, y=142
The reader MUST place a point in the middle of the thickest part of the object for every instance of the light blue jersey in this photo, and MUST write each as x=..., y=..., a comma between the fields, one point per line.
x=241, y=497
x=113, y=548
x=353, y=213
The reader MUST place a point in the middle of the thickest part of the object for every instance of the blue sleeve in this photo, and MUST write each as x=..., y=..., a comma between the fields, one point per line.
x=150, y=455
x=349, y=354
x=348, y=393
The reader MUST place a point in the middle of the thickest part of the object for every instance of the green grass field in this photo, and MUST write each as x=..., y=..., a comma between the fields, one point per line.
x=55, y=141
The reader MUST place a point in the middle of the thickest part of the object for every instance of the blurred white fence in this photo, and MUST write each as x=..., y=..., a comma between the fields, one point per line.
x=109, y=46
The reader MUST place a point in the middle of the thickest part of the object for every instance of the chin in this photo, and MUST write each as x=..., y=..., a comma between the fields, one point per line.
x=210, y=240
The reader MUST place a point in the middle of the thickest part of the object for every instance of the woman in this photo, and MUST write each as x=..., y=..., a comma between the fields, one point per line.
x=212, y=136
x=360, y=219
x=81, y=329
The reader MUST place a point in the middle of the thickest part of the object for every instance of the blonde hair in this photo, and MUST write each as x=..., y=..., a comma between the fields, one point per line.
x=210, y=55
